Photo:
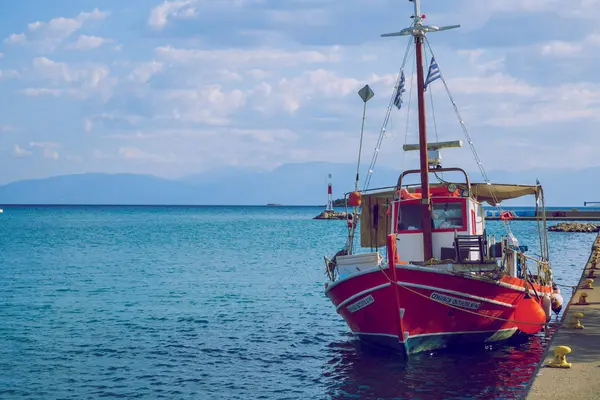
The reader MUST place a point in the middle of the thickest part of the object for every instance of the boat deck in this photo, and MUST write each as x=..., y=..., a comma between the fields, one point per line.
x=581, y=381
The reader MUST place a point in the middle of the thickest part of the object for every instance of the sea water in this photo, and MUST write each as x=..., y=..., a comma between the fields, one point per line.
x=215, y=303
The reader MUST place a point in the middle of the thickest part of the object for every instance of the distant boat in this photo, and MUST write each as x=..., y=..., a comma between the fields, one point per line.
x=273, y=205
x=1, y=211
x=442, y=280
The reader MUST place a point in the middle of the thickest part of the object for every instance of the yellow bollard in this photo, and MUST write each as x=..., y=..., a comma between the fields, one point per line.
x=588, y=284
x=582, y=299
x=560, y=358
x=575, y=323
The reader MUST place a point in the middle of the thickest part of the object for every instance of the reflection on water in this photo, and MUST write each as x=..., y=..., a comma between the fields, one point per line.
x=361, y=371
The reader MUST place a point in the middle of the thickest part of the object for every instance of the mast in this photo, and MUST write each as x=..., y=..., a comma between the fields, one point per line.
x=425, y=202
x=418, y=30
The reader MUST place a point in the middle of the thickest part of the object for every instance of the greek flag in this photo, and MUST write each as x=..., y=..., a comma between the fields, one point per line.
x=433, y=74
x=398, y=98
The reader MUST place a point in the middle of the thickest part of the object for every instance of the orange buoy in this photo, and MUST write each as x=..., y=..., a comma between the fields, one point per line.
x=355, y=199
x=507, y=215
x=530, y=316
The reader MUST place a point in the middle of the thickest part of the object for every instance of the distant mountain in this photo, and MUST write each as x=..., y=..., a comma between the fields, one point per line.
x=290, y=184
x=98, y=189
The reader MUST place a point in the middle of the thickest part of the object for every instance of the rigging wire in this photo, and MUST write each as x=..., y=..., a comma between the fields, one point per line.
x=387, y=117
x=472, y=146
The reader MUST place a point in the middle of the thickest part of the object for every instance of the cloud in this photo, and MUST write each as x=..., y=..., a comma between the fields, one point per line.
x=9, y=73
x=560, y=48
x=145, y=71
x=249, y=58
x=19, y=152
x=187, y=9
x=87, y=125
x=302, y=17
x=210, y=104
x=135, y=154
x=48, y=149
x=178, y=9
x=15, y=38
x=48, y=35
x=85, y=42
x=62, y=79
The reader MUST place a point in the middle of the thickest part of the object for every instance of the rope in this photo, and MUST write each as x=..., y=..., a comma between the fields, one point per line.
x=486, y=179
x=471, y=144
x=387, y=117
x=453, y=306
x=573, y=288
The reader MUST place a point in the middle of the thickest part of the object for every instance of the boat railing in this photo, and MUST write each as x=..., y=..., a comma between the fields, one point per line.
x=436, y=170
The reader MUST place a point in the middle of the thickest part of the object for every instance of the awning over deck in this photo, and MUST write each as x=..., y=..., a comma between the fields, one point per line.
x=497, y=193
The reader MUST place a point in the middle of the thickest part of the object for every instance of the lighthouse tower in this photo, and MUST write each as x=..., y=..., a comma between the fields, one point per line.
x=329, y=195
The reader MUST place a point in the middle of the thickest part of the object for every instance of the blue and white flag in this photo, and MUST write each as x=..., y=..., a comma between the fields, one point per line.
x=433, y=74
x=399, y=91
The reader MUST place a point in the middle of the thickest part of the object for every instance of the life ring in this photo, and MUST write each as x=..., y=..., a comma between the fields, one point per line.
x=507, y=215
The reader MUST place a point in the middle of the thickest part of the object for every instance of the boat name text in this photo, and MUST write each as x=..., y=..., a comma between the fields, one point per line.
x=455, y=301
x=362, y=303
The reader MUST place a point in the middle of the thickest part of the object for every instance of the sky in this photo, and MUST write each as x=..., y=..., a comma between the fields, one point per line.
x=173, y=88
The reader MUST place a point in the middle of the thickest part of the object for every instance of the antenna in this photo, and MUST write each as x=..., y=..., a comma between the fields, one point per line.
x=417, y=28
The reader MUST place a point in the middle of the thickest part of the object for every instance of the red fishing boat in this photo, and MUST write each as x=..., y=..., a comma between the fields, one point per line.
x=426, y=274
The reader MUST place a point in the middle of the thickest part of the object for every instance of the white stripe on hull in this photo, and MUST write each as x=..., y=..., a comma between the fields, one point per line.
x=357, y=295
x=431, y=271
x=470, y=296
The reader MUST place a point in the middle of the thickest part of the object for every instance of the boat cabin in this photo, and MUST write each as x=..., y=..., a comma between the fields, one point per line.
x=452, y=214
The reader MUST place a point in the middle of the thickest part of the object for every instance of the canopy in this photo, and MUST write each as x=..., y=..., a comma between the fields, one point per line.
x=496, y=193
x=482, y=192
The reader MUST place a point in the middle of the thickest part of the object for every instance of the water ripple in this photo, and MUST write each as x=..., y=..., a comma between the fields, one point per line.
x=219, y=303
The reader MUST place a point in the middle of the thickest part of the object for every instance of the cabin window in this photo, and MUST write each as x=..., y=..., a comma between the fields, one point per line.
x=447, y=215
x=409, y=217
x=444, y=215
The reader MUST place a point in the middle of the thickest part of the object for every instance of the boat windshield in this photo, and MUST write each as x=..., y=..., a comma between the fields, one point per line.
x=447, y=214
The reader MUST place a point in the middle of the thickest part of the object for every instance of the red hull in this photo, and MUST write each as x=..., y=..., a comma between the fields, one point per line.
x=412, y=317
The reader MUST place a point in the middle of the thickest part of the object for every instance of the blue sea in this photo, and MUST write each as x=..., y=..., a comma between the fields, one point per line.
x=215, y=303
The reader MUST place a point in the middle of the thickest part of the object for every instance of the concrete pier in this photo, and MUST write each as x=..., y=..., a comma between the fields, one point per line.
x=582, y=379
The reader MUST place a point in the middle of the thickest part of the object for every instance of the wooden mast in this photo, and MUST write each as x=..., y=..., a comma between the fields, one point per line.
x=419, y=35
x=425, y=201
x=418, y=30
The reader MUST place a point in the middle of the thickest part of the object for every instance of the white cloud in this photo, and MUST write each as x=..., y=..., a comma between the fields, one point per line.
x=249, y=58
x=48, y=149
x=497, y=83
x=210, y=105
x=301, y=17
x=133, y=153
x=9, y=73
x=18, y=151
x=15, y=38
x=178, y=9
x=79, y=81
x=87, y=125
x=48, y=35
x=85, y=42
x=186, y=9
x=145, y=71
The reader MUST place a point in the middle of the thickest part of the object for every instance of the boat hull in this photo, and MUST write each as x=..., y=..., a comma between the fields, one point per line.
x=428, y=309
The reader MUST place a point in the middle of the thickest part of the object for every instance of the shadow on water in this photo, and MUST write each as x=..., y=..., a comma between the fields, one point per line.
x=356, y=370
